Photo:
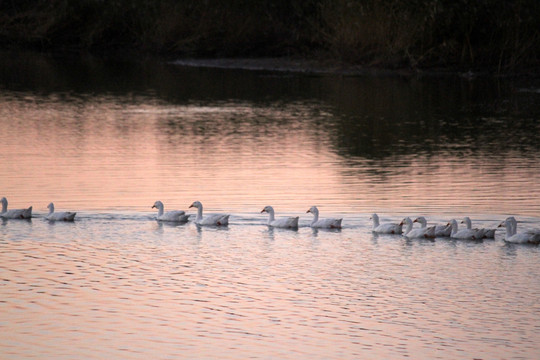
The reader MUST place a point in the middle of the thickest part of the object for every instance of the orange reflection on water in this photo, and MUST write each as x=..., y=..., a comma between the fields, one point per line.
x=102, y=153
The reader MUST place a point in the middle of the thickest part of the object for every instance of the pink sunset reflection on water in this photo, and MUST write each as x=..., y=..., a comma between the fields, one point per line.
x=100, y=153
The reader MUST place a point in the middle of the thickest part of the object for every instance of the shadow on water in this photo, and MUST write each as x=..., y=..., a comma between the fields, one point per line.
x=365, y=117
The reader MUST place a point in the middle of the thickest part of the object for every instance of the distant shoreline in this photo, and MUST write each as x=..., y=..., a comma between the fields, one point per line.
x=316, y=67
x=292, y=65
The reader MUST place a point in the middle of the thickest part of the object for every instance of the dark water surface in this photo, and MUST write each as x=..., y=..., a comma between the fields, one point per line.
x=108, y=138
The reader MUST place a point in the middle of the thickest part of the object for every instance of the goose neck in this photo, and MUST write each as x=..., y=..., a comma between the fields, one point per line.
x=409, y=225
x=315, y=217
x=375, y=218
x=454, y=225
x=271, y=215
x=199, y=213
x=160, y=209
x=513, y=225
x=510, y=230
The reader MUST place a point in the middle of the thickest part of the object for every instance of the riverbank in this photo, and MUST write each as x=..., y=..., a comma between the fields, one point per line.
x=497, y=37
x=324, y=67
x=286, y=64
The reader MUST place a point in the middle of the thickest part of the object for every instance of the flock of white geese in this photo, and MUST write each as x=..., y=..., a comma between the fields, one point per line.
x=405, y=227
x=451, y=230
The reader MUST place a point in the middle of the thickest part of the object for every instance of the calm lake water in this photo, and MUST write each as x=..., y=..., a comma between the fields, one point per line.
x=108, y=138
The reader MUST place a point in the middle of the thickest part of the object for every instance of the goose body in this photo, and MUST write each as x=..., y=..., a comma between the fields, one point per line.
x=59, y=216
x=285, y=223
x=328, y=223
x=465, y=234
x=385, y=228
x=210, y=220
x=440, y=230
x=15, y=213
x=512, y=236
x=423, y=232
x=174, y=215
x=488, y=233
x=514, y=227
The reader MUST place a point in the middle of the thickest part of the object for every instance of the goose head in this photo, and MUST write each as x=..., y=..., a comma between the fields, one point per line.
x=406, y=221
x=453, y=223
x=158, y=204
x=267, y=209
x=467, y=221
x=196, y=204
x=313, y=210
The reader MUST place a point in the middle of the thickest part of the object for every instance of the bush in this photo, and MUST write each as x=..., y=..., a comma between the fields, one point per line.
x=503, y=35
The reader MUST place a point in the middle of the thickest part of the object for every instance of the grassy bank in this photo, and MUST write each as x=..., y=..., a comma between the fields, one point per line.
x=499, y=35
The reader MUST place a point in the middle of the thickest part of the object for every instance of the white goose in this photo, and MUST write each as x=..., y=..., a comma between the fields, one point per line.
x=286, y=223
x=328, y=223
x=423, y=232
x=385, y=228
x=174, y=215
x=440, y=230
x=465, y=234
x=15, y=213
x=59, y=216
x=514, y=227
x=528, y=237
x=211, y=220
x=488, y=233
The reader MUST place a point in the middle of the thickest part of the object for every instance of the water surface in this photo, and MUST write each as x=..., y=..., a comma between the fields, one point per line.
x=108, y=138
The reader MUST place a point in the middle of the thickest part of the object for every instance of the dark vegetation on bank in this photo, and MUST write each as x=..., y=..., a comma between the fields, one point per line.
x=497, y=35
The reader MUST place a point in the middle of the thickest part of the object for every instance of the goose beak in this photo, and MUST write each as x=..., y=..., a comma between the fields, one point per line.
x=308, y=211
x=190, y=206
x=263, y=211
x=153, y=206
